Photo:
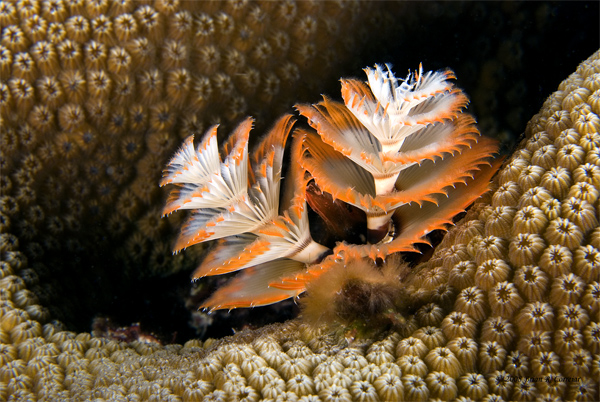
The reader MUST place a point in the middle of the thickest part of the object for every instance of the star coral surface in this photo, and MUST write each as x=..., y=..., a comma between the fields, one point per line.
x=498, y=67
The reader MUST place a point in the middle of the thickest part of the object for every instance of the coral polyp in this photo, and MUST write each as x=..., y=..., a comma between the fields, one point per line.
x=394, y=162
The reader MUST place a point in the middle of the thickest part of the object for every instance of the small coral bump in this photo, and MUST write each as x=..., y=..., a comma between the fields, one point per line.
x=566, y=289
x=594, y=101
x=443, y=359
x=556, y=260
x=569, y=136
x=280, y=41
x=23, y=95
x=178, y=86
x=415, y=388
x=24, y=67
x=465, y=349
x=500, y=384
x=25, y=330
x=301, y=385
x=584, y=191
x=557, y=181
x=535, y=316
x=532, y=282
x=352, y=360
x=42, y=119
x=588, y=173
x=50, y=91
x=78, y=28
x=564, y=232
x=525, y=249
x=411, y=346
x=150, y=84
x=119, y=61
x=162, y=118
x=545, y=363
x=389, y=387
x=517, y=364
x=8, y=14
x=558, y=122
x=490, y=247
x=223, y=86
x=203, y=28
x=581, y=213
x=507, y=194
x=491, y=356
x=586, y=263
x=363, y=391
x=379, y=356
x=210, y=59
x=74, y=86
x=504, y=299
x=524, y=391
x=175, y=54
x=473, y=386
x=143, y=53
x=335, y=393
x=585, y=390
x=443, y=295
x=490, y=272
x=14, y=39
x=570, y=156
x=99, y=83
x=575, y=97
x=458, y=252
x=512, y=170
x=499, y=221
x=498, y=329
x=270, y=87
x=70, y=54
x=535, y=197
x=537, y=140
x=545, y=157
x=580, y=110
x=567, y=340
x=591, y=336
x=472, y=302
x=150, y=22
x=293, y=367
x=572, y=316
x=442, y=386
x=56, y=33
x=529, y=219
x=458, y=324
x=462, y=274
x=587, y=124
x=591, y=297
x=553, y=387
x=125, y=27
x=593, y=156
x=430, y=314
x=530, y=177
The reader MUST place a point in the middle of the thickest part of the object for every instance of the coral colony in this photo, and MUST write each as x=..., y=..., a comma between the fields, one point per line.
x=397, y=160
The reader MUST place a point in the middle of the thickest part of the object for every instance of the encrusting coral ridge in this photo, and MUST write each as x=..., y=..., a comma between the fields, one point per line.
x=552, y=334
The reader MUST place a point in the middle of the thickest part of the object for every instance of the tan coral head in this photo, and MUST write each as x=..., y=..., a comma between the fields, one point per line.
x=400, y=154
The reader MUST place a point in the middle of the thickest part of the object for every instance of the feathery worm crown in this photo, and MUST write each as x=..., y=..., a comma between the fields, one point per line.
x=402, y=151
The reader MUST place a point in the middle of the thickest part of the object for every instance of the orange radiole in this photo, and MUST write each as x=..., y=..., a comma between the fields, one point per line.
x=399, y=154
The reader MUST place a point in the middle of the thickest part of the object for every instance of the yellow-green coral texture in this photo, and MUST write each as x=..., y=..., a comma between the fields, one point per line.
x=520, y=274
x=516, y=292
